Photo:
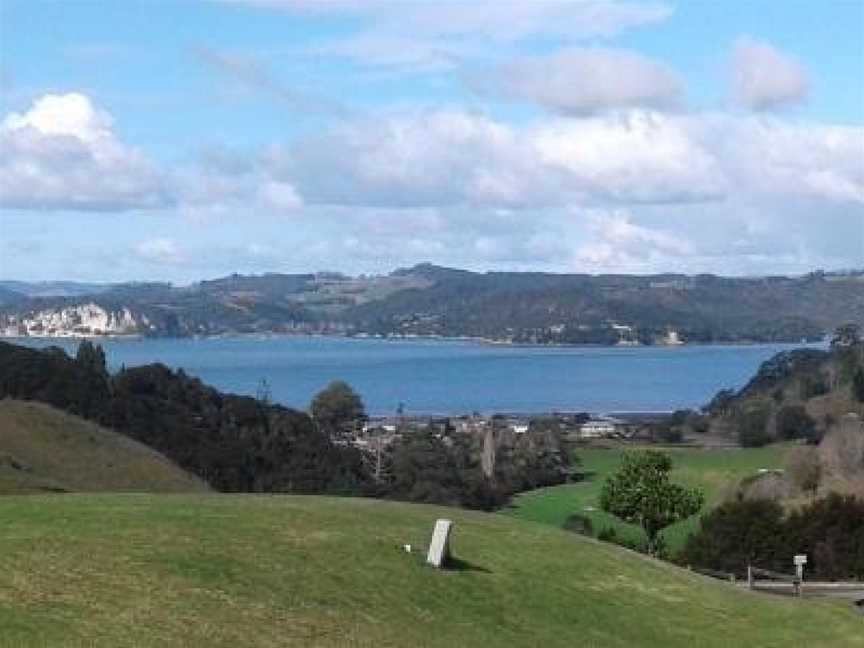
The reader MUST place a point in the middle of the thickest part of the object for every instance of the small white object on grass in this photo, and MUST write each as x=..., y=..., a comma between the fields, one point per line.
x=407, y=548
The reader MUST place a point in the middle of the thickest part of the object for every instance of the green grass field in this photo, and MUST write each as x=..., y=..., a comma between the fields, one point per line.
x=220, y=570
x=43, y=449
x=716, y=471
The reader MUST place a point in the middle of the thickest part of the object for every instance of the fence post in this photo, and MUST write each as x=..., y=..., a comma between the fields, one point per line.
x=750, y=576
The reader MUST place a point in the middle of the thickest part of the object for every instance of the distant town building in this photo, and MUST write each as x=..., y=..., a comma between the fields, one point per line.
x=599, y=428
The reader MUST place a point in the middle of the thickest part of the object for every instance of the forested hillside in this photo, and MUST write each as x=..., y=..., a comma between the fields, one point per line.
x=796, y=394
x=431, y=300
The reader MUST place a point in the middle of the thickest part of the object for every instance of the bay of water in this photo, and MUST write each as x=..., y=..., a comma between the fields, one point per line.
x=449, y=376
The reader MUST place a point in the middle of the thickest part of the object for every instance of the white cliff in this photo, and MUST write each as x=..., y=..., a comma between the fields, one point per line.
x=87, y=319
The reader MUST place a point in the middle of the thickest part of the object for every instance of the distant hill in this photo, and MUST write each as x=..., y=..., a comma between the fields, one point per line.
x=607, y=309
x=54, y=288
x=10, y=298
x=521, y=307
x=119, y=570
x=44, y=449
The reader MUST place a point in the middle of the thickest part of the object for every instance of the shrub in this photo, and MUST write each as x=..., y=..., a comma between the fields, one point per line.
x=830, y=531
x=753, y=427
x=736, y=534
x=813, y=384
x=793, y=422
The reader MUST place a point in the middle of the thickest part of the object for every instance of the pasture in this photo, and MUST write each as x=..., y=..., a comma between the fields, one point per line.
x=715, y=471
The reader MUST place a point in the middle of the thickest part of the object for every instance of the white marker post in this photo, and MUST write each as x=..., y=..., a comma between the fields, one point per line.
x=439, y=548
x=800, y=560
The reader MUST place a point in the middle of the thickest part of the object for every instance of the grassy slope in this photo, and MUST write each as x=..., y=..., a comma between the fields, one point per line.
x=218, y=570
x=42, y=448
x=715, y=471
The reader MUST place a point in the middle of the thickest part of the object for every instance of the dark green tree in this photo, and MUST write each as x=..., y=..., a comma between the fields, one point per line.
x=793, y=422
x=641, y=493
x=92, y=358
x=93, y=385
x=737, y=533
x=753, y=426
x=336, y=407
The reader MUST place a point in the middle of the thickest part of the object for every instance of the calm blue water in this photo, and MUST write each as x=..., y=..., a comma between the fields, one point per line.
x=454, y=376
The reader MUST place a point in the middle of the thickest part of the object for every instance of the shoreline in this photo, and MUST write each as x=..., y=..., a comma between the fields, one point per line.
x=480, y=341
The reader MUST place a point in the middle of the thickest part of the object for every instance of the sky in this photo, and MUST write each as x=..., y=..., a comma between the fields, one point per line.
x=178, y=140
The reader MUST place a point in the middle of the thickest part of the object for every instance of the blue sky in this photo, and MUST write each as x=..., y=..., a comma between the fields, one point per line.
x=180, y=140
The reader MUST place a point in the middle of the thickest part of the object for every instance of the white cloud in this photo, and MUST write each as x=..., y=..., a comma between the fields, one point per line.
x=429, y=36
x=585, y=80
x=231, y=185
x=160, y=250
x=63, y=154
x=504, y=21
x=633, y=157
x=778, y=160
x=71, y=114
x=635, y=191
x=765, y=78
x=617, y=242
x=451, y=158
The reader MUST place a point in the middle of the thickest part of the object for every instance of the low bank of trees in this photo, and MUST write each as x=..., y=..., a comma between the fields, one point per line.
x=759, y=532
x=245, y=444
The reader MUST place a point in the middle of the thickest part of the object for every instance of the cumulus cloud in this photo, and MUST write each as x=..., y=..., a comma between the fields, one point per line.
x=577, y=81
x=774, y=159
x=617, y=242
x=636, y=191
x=225, y=184
x=62, y=153
x=764, y=78
x=450, y=157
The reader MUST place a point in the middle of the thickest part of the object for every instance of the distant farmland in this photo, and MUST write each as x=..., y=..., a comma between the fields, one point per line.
x=716, y=471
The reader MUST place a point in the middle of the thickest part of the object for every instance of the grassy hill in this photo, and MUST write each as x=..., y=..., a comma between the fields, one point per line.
x=715, y=471
x=44, y=449
x=219, y=570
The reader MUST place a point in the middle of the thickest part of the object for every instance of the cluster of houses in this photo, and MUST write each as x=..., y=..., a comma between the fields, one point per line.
x=577, y=427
